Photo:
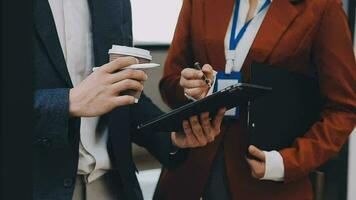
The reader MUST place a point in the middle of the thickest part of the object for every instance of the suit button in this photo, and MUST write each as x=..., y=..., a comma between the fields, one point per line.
x=253, y=125
x=46, y=143
x=68, y=182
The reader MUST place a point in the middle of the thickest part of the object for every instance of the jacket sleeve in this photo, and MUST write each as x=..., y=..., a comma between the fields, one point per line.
x=334, y=59
x=51, y=108
x=179, y=56
x=157, y=143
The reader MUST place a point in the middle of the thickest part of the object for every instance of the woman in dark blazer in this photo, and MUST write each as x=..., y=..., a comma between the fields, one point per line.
x=301, y=36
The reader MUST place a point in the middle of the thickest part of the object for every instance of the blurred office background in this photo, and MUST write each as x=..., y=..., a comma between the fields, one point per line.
x=153, y=28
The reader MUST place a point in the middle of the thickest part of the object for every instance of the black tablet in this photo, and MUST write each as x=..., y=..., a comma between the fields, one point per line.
x=229, y=97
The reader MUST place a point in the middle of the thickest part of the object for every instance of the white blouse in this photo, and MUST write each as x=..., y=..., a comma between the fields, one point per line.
x=274, y=162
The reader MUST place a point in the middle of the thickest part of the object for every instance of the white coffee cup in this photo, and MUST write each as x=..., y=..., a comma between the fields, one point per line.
x=143, y=56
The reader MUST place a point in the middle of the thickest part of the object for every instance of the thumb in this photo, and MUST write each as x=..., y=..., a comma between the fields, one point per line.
x=256, y=153
x=208, y=70
x=119, y=63
x=253, y=163
x=257, y=170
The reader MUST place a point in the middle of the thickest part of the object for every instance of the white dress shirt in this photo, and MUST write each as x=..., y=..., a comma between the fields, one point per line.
x=73, y=24
x=274, y=170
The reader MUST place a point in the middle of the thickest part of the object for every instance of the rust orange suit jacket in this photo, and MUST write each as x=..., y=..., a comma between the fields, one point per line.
x=312, y=35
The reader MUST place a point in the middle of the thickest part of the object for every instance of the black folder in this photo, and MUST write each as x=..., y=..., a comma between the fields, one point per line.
x=277, y=119
x=230, y=97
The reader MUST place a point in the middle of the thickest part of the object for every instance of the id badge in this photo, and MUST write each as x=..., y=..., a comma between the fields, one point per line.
x=224, y=80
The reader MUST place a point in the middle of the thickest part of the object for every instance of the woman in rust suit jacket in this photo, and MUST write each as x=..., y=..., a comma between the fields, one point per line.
x=298, y=35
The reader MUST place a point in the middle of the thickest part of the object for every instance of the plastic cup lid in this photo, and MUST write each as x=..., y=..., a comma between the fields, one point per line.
x=130, y=51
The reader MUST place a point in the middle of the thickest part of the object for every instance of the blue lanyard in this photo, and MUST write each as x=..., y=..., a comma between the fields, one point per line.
x=234, y=41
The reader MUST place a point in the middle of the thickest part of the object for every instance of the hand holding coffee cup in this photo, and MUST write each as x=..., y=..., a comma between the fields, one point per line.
x=103, y=90
x=144, y=58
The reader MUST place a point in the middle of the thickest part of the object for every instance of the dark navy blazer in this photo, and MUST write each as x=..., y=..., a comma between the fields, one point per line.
x=56, y=139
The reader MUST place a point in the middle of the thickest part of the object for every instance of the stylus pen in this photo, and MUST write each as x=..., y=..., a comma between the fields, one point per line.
x=205, y=78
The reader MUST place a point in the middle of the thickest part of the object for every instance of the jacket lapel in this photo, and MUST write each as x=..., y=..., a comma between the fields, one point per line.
x=46, y=29
x=217, y=14
x=278, y=18
x=107, y=20
x=111, y=24
x=217, y=17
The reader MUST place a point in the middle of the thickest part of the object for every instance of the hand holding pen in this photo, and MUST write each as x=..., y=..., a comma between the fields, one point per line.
x=197, y=81
x=205, y=77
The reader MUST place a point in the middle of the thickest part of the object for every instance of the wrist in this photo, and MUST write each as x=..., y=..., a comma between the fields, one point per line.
x=74, y=106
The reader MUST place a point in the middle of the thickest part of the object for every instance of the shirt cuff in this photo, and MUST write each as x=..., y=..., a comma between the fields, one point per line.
x=274, y=166
x=211, y=90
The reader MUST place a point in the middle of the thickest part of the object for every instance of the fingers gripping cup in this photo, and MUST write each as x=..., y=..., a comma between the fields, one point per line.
x=143, y=56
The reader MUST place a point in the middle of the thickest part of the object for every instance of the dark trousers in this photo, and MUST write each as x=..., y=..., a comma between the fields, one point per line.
x=217, y=187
